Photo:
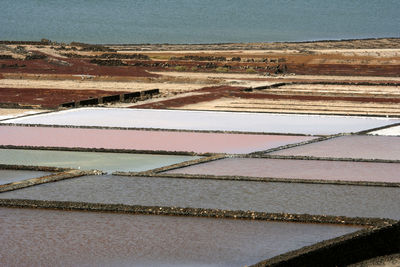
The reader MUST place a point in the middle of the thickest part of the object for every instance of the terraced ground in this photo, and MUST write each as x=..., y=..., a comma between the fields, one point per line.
x=359, y=77
x=311, y=98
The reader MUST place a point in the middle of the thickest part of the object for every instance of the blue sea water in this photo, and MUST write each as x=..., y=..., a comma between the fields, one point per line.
x=197, y=21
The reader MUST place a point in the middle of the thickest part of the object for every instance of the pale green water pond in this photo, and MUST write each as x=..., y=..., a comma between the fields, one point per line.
x=108, y=162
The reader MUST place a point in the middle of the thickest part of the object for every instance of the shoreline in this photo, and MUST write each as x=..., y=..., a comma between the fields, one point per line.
x=46, y=41
x=261, y=42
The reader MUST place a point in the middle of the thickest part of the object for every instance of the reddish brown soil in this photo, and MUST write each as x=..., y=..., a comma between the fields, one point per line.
x=288, y=79
x=351, y=69
x=72, y=66
x=316, y=97
x=300, y=66
x=48, y=98
x=209, y=94
x=344, y=69
x=213, y=93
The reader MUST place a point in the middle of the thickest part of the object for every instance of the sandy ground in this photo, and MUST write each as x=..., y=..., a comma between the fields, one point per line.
x=98, y=85
x=387, y=53
x=382, y=43
x=8, y=50
x=8, y=113
x=335, y=78
x=233, y=76
x=218, y=52
x=361, y=52
x=296, y=106
x=46, y=50
x=202, y=75
x=340, y=87
x=169, y=82
x=337, y=90
x=237, y=79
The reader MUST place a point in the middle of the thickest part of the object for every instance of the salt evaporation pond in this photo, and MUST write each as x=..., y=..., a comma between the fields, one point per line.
x=207, y=120
x=108, y=162
x=66, y=238
x=351, y=201
x=394, y=131
x=143, y=140
x=297, y=169
x=11, y=176
x=354, y=146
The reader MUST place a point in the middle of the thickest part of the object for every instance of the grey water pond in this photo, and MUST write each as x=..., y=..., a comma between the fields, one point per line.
x=108, y=162
x=11, y=176
x=351, y=201
x=69, y=238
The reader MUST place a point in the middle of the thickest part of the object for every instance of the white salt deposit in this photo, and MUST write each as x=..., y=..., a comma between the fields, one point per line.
x=207, y=120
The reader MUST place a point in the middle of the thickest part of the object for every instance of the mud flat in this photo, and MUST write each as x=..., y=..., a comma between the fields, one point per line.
x=354, y=146
x=297, y=169
x=148, y=240
x=10, y=176
x=143, y=140
x=107, y=162
x=294, y=198
x=207, y=121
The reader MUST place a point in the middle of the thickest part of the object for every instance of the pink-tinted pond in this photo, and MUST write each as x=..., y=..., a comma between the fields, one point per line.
x=143, y=140
x=298, y=169
x=354, y=146
x=64, y=238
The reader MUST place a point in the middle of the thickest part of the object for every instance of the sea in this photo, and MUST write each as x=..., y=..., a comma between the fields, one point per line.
x=197, y=21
